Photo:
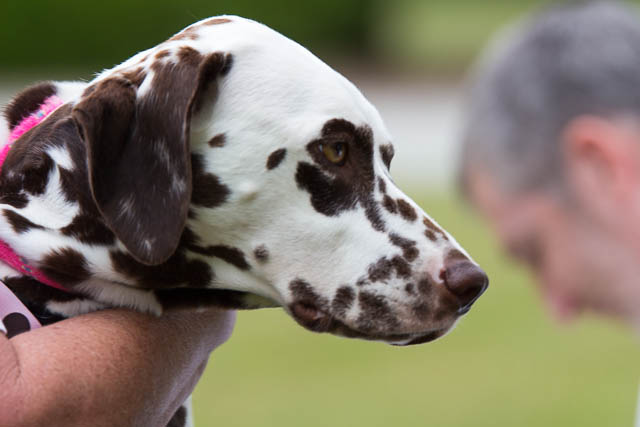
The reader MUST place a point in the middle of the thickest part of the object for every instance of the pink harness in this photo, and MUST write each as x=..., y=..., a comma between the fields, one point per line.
x=9, y=303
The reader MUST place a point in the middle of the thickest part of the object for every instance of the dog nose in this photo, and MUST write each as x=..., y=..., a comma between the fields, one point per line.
x=466, y=281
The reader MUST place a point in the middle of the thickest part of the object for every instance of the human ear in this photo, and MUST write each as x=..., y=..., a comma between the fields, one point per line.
x=602, y=162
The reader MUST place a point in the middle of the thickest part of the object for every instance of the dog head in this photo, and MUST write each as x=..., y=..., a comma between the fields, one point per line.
x=277, y=168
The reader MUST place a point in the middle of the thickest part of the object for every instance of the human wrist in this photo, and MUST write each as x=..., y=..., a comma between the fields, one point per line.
x=211, y=327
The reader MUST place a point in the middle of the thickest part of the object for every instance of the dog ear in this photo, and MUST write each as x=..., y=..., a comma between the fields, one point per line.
x=137, y=137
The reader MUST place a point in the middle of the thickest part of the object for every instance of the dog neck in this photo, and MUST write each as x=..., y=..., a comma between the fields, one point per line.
x=7, y=254
x=48, y=216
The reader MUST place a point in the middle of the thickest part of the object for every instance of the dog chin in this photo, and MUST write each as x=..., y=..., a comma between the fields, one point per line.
x=316, y=320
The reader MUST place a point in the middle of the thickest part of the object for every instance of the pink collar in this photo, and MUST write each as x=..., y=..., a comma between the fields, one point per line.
x=8, y=255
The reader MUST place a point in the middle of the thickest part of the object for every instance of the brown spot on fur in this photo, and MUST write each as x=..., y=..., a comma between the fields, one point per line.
x=386, y=152
x=389, y=204
x=65, y=266
x=402, y=267
x=409, y=288
x=382, y=185
x=375, y=313
x=308, y=308
x=303, y=291
x=26, y=102
x=37, y=177
x=421, y=311
x=406, y=210
x=207, y=191
x=162, y=54
x=16, y=200
x=136, y=76
x=343, y=300
x=190, y=56
x=190, y=33
x=275, y=158
x=233, y=256
x=185, y=36
x=215, y=65
x=432, y=230
x=380, y=271
x=89, y=229
x=409, y=249
x=261, y=253
x=228, y=62
x=218, y=141
x=176, y=271
x=362, y=282
x=216, y=21
x=372, y=212
x=426, y=286
x=19, y=223
x=454, y=255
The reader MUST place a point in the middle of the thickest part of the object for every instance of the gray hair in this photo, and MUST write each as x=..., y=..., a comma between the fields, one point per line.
x=571, y=59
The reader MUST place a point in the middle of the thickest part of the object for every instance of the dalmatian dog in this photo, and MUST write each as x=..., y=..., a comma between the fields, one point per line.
x=227, y=166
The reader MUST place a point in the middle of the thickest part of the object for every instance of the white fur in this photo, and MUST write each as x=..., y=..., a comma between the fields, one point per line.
x=61, y=157
x=50, y=209
x=119, y=295
x=4, y=132
x=7, y=271
x=70, y=91
x=75, y=307
x=277, y=95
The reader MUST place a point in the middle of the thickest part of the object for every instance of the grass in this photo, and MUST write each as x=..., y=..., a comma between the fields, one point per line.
x=504, y=365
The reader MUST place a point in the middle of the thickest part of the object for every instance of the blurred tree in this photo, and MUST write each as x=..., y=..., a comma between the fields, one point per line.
x=91, y=35
x=441, y=35
x=430, y=36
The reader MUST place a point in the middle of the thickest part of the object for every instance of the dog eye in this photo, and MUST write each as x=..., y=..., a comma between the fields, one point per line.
x=335, y=152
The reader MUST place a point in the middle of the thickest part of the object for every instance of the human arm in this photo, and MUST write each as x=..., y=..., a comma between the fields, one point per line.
x=113, y=367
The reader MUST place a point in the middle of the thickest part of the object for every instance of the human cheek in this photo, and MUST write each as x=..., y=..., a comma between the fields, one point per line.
x=559, y=280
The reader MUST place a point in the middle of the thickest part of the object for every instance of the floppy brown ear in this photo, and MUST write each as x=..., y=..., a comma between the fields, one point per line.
x=138, y=149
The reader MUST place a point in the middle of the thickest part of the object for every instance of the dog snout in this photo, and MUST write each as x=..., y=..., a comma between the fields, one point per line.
x=311, y=316
x=466, y=281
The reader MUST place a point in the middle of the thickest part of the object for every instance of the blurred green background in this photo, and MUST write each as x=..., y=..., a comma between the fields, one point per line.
x=437, y=35
x=506, y=364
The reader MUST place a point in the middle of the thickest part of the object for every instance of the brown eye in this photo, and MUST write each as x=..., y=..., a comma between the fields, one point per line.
x=335, y=152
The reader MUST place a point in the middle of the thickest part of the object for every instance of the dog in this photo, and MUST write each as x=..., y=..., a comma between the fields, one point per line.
x=227, y=166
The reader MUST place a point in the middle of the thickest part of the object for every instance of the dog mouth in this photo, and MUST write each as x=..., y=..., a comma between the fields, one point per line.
x=311, y=317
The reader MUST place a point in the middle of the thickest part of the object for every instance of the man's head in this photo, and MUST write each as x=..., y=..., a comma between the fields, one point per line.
x=552, y=153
